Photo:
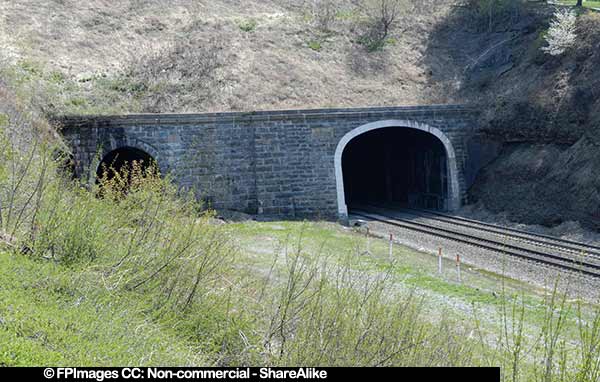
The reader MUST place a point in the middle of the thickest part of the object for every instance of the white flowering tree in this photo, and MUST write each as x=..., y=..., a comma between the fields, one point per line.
x=561, y=34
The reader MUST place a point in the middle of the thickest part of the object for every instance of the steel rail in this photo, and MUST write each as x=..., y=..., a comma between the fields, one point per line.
x=529, y=237
x=572, y=245
x=508, y=249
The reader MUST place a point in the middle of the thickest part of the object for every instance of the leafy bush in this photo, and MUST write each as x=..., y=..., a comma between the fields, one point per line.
x=71, y=228
x=248, y=25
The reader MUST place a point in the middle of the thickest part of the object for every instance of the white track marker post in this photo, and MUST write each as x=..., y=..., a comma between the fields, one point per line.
x=391, y=247
x=458, y=267
x=368, y=242
x=440, y=260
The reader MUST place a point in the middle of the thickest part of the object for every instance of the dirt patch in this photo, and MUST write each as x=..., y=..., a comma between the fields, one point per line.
x=543, y=184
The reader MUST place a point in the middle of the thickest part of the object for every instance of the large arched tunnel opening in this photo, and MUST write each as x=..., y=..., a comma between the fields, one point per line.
x=395, y=166
x=124, y=161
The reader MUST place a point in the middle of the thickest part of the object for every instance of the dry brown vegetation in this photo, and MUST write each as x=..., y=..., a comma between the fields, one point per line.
x=552, y=102
x=103, y=57
x=137, y=277
x=184, y=55
x=90, y=55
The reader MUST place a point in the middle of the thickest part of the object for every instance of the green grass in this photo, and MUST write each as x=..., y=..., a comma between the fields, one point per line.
x=56, y=315
x=66, y=95
x=48, y=317
x=315, y=45
x=412, y=270
x=133, y=272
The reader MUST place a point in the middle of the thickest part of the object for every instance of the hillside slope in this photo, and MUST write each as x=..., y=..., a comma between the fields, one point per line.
x=187, y=55
x=546, y=111
x=101, y=57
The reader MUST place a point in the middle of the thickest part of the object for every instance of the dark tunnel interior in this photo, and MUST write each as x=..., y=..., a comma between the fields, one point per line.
x=395, y=166
x=123, y=158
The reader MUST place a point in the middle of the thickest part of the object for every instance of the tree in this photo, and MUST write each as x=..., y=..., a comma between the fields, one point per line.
x=561, y=34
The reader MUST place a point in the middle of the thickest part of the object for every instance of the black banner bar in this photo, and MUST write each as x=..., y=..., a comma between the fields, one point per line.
x=108, y=374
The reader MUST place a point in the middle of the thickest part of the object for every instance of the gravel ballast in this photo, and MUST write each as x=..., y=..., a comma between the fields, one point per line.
x=543, y=276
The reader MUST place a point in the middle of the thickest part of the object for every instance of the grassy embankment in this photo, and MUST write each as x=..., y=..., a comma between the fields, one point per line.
x=145, y=277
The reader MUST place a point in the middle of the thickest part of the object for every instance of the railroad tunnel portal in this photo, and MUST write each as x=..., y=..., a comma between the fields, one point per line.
x=122, y=160
x=396, y=163
x=289, y=162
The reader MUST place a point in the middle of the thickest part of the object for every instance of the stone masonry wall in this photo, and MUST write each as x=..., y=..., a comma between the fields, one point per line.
x=275, y=163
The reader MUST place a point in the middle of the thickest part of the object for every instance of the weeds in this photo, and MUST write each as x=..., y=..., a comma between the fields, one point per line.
x=248, y=25
x=135, y=250
x=589, y=346
x=315, y=45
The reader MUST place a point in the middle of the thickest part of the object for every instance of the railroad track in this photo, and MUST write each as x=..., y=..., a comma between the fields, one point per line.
x=566, y=260
x=561, y=245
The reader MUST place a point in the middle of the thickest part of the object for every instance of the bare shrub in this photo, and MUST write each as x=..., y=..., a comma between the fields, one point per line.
x=382, y=17
x=27, y=145
x=181, y=75
x=324, y=14
x=316, y=312
x=486, y=15
x=561, y=34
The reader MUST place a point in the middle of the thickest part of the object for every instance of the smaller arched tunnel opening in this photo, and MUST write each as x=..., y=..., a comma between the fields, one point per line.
x=124, y=159
x=395, y=166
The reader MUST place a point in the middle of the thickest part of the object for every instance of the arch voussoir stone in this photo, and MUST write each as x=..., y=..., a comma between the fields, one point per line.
x=454, y=192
